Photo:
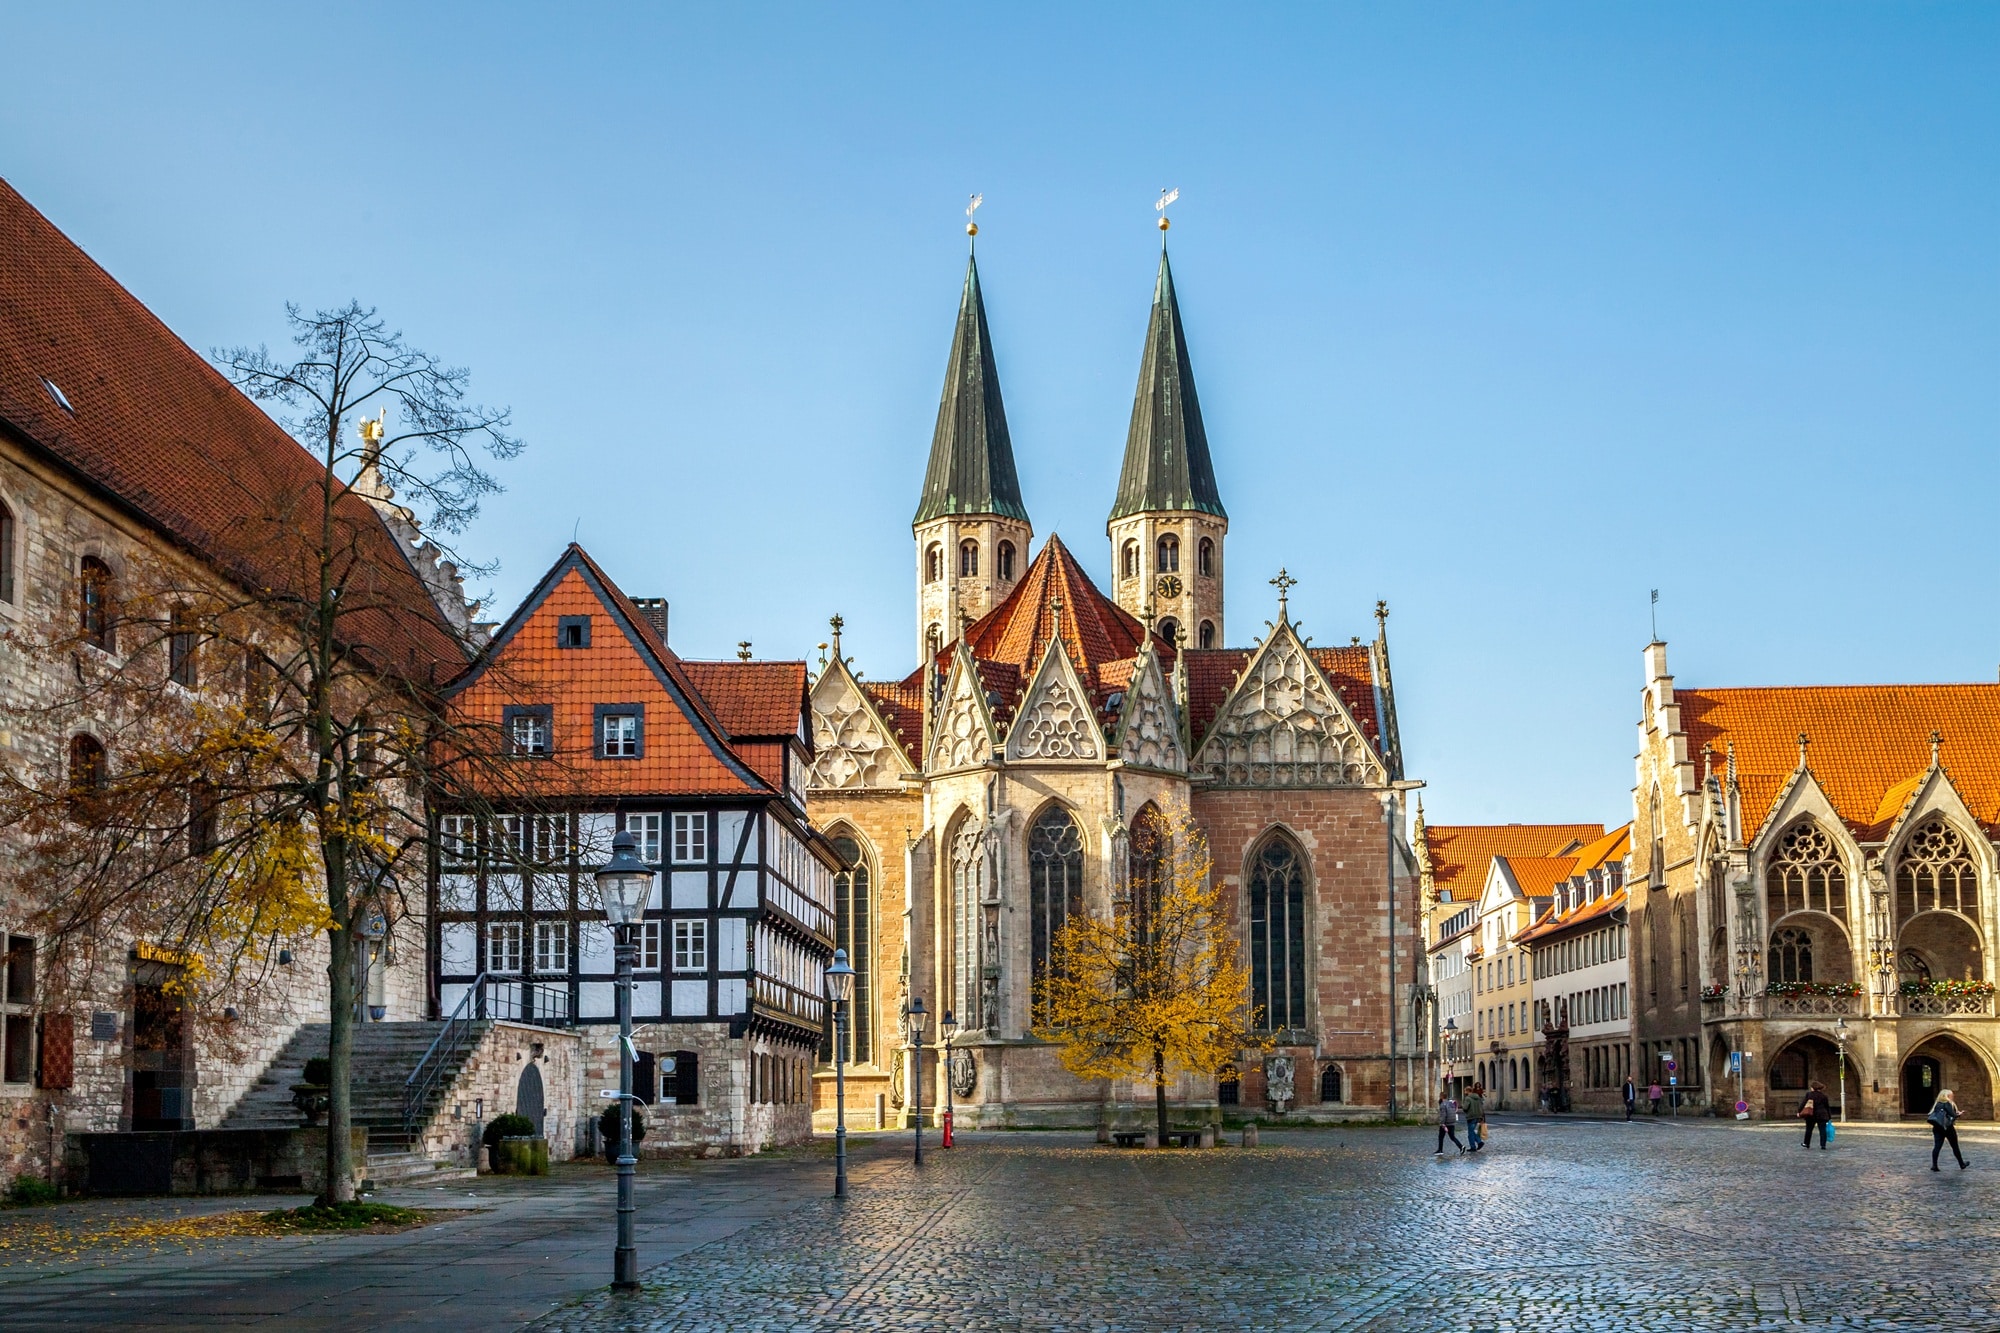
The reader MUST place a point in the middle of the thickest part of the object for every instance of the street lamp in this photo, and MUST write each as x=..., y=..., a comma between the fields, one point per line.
x=919, y=1016
x=947, y=1029
x=1450, y=1048
x=1840, y=1035
x=623, y=885
x=839, y=990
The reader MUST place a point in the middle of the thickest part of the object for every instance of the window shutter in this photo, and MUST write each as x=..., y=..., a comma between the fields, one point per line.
x=58, y=1051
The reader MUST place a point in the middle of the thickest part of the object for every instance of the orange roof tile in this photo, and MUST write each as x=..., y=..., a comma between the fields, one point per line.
x=1865, y=740
x=901, y=704
x=1461, y=853
x=163, y=433
x=1537, y=876
x=1213, y=672
x=1558, y=923
x=1613, y=846
x=754, y=698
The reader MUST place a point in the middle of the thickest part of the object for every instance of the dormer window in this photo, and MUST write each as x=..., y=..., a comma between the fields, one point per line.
x=573, y=632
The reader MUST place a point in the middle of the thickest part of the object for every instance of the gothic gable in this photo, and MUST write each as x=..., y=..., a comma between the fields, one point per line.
x=964, y=733
x=1284, y=726
x=1055, y=721
x=1149, y=729
x=853, y=746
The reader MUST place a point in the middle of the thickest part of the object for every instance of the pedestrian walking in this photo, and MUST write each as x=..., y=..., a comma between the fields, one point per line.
x=1653, y=1096
x=1631, y=1100
x=1944, y=1128
x=1448, y=1123
x=1475, y=1116
x=1816, y=1110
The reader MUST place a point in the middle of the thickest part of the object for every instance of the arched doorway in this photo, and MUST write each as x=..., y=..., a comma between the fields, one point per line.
x=1943, y=1061
x=528, y=1096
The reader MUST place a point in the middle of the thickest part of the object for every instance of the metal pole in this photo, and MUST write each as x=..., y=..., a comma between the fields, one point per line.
x=1843, y=1080
x=917, y=1088
x=840, y=1101
x=1391, y=823
x=944, y=1059
x=625, y=1260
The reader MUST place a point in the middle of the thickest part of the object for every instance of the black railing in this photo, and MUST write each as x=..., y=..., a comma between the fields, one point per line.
x=533, y=1002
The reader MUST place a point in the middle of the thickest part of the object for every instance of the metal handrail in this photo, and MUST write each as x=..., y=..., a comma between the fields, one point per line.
x=449, y=1041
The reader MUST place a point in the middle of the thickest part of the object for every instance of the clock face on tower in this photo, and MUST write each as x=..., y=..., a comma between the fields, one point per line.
x=1169, y=585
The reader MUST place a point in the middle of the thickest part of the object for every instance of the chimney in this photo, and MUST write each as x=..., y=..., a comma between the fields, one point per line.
x=654, y=609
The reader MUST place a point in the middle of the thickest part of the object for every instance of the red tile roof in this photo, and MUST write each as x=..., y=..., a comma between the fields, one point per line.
x=159, y=429
x=901, y=704
x=1460, y=854
x=754, y=698
x=1537, y=876
x=1864, y=741
x=1212, y=673
x=1584, y=914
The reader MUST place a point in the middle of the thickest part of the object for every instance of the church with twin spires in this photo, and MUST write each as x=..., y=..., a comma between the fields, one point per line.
x=1019, y=774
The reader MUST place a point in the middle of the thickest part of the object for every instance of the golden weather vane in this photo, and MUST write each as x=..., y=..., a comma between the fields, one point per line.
x=1166, y=197
x=971, y=226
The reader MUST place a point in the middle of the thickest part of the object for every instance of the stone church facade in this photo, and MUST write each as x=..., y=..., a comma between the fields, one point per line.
x=1021, y=774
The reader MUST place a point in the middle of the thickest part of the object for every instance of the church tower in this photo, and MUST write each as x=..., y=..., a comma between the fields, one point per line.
x=971, y=528
x=1167, y=524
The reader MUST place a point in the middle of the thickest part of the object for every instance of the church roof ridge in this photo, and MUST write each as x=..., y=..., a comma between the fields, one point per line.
x=972, y=456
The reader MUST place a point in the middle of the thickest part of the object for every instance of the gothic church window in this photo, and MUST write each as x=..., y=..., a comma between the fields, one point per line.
x=853, y=930
x=1936, y=873
x=1204, y=559
x=968, y=860
x=1278, y=935
x=1149, y=859
x=1055, y=887
x=1208, y=634
x=1170, y=554
x=1128, y=561
x=1329, y=1083
x=1805, y=874
x=94, y=590
x=1791, y=956
x=968, y=559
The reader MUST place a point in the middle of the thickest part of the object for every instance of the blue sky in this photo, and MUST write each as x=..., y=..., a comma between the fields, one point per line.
x=1506, y=314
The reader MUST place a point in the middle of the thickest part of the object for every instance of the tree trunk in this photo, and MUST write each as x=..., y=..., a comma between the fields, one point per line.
x=1160, y=1092
x=340, y=1037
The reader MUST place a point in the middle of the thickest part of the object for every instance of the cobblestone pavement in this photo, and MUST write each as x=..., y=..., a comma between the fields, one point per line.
x=1560, y=1225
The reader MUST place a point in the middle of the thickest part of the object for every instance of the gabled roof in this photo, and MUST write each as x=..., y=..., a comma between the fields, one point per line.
x=159, y=431
x=1864, y=743
x=901, y=705
x=972, y=457
x=1213, y=672
x=687, y=749
x=755, y=698
x=1613, y=846
x=1580, y=916
x=1167, y=466
x=1460, y=854
x=1537, y=876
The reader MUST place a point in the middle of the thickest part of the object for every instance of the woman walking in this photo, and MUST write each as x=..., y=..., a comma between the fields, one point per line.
x=1944, y=1128
x=1816, y=1110
x=1475, y=1116
x=1448, y=1123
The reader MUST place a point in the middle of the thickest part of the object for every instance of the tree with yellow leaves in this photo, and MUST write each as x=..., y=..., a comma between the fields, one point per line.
x=1159, y=986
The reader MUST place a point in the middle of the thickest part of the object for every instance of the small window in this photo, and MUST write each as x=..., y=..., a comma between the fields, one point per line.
x=573, y=632
x=645, y=831
x=94, y=592
x=690, y=946
x=1170, y=630
x=87, y=776
x=620, y=731
x=503, y=946
x=1170, y=554
x=682, y=1087
x=649, y=946
x=552, y=948
x=1204, y=558
x=933, y=563
x=181, y=644
x=691, y=837
x=1208, y=634
x=458, y=837
x=1329, y=1084
x=1228, y=1087
x=201, y=819
x=1128, y=561
x=19, y=964
x=527, y=730
x=968, y=559
x=6, y=553
x=19, y=1057
x=1003, y=562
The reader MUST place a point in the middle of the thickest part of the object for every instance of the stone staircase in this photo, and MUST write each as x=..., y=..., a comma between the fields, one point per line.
x=385, y=1054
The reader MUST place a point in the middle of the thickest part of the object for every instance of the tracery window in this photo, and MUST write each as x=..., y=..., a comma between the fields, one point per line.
x=853, y=930
x=1278, y=934
x=1936, y=873
x=968, y=860
x=1204, y=558
x=1003, y=562
x=1791, y=956
x=968, y=559
x=1170, y=554
x=1149, y=859
x=1128, y=562
x=1055, y=887
x=1329, y=1084
x=94, y=589
x=1805, y=874
x=1208, y=634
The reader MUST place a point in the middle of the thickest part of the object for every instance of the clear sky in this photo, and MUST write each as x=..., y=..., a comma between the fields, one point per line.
x=1506, y=314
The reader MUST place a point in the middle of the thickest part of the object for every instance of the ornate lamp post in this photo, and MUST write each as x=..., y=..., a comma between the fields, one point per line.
x=947, y=1029
x=1450, y=1051
x=919, y=1017
x=623, y=886
x=839, y=991
x=1840, y=1035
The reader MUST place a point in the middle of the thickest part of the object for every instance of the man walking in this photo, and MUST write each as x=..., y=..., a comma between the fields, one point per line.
x=1631, y=1099
x=1475, y=1116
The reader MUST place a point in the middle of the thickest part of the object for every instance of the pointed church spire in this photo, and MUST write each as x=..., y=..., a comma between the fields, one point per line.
x=972, y=459
x=1167, y=466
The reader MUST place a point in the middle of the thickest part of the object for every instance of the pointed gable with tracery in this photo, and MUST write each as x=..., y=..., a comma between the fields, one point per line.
x=1284, y=724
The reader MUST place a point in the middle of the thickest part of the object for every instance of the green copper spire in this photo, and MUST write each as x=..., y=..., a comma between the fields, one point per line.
x=972, y=460
x=1166, y=451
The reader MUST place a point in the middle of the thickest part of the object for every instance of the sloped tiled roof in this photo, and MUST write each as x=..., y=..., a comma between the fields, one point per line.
x=1537, y=876
x=1584, y=914
x=1613, y=846
x=162, y=432
x=1212, y=673
x=1460, y=854
x=1864, y=741
x=755, y=698
x=901, y=704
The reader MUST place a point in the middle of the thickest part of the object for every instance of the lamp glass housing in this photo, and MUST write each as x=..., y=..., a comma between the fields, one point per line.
x=839, y=978
x=919, y=1018
x=624, y=883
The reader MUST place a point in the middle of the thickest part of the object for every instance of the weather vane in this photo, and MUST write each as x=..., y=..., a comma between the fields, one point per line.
x=972, y=226
x=1166, y=197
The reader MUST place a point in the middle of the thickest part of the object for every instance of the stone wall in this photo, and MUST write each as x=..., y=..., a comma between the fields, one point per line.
x=489, y=1083
x=743, y=1107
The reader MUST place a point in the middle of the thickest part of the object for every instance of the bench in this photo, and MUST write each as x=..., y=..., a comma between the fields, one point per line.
x=1128, y=1138
x=1185, y=1138
x=1180, y=1138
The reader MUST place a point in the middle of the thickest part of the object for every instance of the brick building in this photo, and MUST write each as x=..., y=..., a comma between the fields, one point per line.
x=1017, y=776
